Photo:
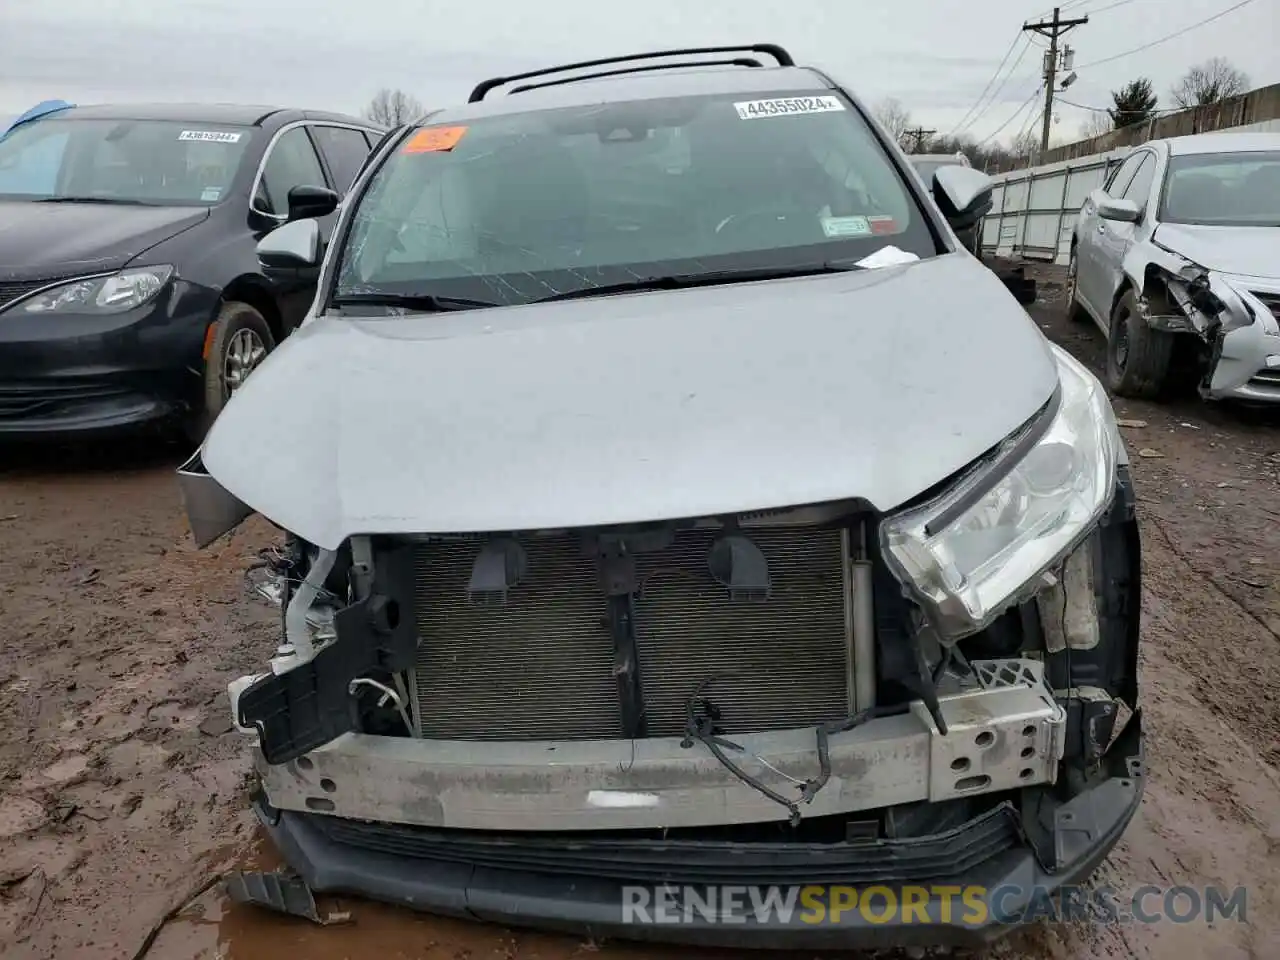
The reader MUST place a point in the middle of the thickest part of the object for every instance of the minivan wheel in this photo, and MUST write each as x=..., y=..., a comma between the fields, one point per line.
x=239, y=341
x=1075, y=312
x=1137, y=357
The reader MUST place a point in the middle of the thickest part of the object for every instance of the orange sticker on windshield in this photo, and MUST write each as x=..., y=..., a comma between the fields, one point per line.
x=434, y=139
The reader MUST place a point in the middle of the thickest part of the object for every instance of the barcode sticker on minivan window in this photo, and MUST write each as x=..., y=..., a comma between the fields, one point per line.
x=210, y=136
x=786, y=106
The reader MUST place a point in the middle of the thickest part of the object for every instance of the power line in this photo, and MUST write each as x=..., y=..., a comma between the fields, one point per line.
x=995, y=94
x=1083, y=106
x=1110, y=6
x=1003, y=60
x=996, y=132
x=1147, y=46
x=1026, y=127
x=1062, y=6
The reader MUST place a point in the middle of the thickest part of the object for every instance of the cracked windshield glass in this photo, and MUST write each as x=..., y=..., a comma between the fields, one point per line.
x=626, y=192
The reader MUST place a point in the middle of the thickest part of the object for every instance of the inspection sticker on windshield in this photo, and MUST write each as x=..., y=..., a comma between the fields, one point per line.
x=210, y=136
x=846, y=226
x=785, y=106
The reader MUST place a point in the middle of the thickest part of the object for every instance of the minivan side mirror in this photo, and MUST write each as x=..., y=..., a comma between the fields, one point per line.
x=308, y=201
x=1118, y=209
x=291, y=246
x=963, y=194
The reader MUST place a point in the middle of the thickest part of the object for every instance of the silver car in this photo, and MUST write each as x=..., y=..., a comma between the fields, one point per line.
x=1177, y=260
x=674, y=510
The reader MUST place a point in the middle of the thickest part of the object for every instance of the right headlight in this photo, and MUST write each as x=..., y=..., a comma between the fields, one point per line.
x=114, y=293
x=970, y=554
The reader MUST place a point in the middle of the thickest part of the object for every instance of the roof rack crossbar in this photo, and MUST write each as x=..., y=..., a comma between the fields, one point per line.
x=736, y=62
x=778, y=53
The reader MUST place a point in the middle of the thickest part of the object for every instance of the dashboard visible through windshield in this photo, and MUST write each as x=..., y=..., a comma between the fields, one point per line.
x=520, y=207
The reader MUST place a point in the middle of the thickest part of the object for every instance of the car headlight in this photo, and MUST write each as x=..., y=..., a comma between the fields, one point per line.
x=982, y=546
x=111, y=294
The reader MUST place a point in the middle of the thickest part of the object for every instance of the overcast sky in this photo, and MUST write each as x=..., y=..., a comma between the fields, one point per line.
x=936, y=56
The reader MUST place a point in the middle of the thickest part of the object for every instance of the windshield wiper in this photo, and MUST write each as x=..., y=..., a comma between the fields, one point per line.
x=116, y=200
x=710, y=278
x=426, y=302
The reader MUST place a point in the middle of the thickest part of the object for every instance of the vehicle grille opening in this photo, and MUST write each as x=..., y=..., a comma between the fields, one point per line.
x=15, y=289
x=540, y=665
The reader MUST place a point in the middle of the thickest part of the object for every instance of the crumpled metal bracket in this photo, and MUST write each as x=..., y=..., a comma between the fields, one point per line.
x=280, y=892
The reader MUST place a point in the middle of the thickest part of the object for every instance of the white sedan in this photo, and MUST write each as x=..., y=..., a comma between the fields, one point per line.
x=1177, y=260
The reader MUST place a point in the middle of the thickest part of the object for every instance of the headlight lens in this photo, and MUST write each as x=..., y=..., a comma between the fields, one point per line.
x=114, y=294
x=986, y=554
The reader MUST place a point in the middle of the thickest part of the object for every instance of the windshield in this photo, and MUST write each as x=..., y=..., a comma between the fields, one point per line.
x=1223, y=189
x=514, y=208
x=130, y=161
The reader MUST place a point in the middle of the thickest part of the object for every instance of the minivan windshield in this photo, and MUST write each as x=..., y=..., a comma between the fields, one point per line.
x=1223, y=189
x=157, y=162
x=519, y=207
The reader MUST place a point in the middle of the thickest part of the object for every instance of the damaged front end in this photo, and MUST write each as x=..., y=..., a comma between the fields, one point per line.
x=1231, y=320
x=523, y=726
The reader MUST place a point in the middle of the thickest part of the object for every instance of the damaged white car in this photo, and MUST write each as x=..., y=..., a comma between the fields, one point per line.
x=671, y=507
x=1177, y=260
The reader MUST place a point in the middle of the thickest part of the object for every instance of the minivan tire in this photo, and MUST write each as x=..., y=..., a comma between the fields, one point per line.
x=237, y=324
x=1138, y=357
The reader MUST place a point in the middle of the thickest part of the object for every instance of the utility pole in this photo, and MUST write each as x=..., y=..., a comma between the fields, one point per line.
x=1052, y=29
x=918, y=135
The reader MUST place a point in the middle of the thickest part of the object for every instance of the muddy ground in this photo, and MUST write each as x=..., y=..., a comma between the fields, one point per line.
x=121, y=788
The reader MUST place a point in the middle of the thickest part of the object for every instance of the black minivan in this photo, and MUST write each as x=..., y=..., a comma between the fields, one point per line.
x=130, y=289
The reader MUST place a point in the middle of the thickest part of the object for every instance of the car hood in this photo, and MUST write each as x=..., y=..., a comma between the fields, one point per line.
x=39, y=240
x=876, y=384
x=1246, y=251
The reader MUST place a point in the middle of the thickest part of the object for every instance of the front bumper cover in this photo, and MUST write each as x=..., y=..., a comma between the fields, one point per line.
x=1060, y=843
x=73, y=374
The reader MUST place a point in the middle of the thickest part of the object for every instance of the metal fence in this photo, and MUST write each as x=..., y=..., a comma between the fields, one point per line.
x=1033, y=211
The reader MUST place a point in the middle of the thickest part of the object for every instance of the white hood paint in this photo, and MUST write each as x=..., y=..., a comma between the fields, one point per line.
x=1244, y=251
x=875, y=384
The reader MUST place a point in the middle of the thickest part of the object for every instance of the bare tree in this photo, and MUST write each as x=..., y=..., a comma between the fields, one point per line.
x=391, y=108
x=1209, y=82
x=1025, y=144
x=893, y=116
x=1096, y=125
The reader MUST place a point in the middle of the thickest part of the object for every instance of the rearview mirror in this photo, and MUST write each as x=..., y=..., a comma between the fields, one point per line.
x=963, y=194
x=1117, y=208
x=291, y=246
x=306, y=201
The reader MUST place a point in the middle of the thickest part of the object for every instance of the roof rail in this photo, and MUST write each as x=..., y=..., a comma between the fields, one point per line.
x=736, y=62
x=778, y=53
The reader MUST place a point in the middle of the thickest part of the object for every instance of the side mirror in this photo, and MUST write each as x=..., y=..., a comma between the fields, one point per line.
x=306, y=202
x=1118, y=209
x=963, y=194
x=291, y=246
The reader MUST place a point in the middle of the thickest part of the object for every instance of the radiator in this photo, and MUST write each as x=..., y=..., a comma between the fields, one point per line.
x=540, y=666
